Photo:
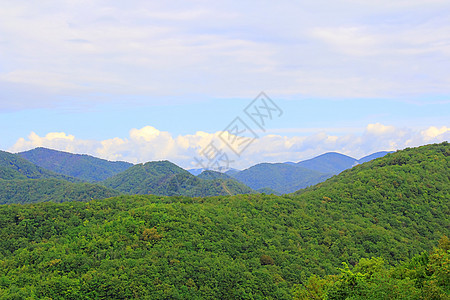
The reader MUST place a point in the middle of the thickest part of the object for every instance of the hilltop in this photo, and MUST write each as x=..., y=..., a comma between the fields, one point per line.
x=166, y=178
x=82, y=166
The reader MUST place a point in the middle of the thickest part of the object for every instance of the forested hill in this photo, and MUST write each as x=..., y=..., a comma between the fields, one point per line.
x=23, y=182
x=252, y=246
x=21, y=191
x=12, y=166
x=85, y=167
x=211, y=175
x=400, y=199
x=166, y=178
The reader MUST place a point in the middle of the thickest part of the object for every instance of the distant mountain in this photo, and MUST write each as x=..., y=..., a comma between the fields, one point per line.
x=197, y=172
x=12, y=166
x=330, y=162
x=280, y=177
x=210, y=175
x=84, y=167
x=232, y=172
x=373, y=156
x=166, y=178
x=268, y=191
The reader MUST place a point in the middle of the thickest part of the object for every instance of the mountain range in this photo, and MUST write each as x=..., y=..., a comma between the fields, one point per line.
x=24, y=182
x=84, y=167
x=73, y=172
x=378, y=230
x=289, y=177
x=166, y=178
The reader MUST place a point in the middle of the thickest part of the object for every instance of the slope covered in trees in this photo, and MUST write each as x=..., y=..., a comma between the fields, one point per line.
x=425, y=276
x=211, y=175
x=12, y=166
x=85, y=167
x=55, y=190
x=166, y=178
x=246, y=246
x=23, y=182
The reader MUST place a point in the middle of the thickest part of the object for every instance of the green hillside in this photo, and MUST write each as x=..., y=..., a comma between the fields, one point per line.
x=166, y=178
x=12, y=166
x=85, y=167
x=425, y=276
x=55, y=190
x=246, y=246
x=282, y=178
x=23, y=182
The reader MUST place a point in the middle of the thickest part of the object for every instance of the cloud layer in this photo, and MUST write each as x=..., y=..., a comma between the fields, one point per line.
x=58, y=51
x=149, y=144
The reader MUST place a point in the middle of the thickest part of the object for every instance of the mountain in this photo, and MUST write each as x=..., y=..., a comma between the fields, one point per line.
x=335, y=163
x=282, y=178
x=166, y=178
x=23, y=182
x=331, y=162
x=12, y=166
x=388, y=213
x=210, y=175
x=373, y=156
x=290, y=176
x=84, y=167
x=197, y=172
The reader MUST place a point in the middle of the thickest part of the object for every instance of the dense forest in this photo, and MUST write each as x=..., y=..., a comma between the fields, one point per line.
x=376, y=231
x=43, y=190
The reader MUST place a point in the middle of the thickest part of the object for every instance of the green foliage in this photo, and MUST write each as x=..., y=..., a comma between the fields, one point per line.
x=43, y=190
x=84, y=167
x=148, y=247
x=426, y=276
x=166, y=178
x=381, y=219
x=377, y=208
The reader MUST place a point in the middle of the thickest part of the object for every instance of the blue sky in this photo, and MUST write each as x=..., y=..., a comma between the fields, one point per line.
x=151, y=80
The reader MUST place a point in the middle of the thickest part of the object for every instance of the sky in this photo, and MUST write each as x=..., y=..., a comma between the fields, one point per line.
x=172, y=80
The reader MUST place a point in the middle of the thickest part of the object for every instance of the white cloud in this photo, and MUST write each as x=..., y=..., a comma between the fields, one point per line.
x=149, y=143
x=225, y=48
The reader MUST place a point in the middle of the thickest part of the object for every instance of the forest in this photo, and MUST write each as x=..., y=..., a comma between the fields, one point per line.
x=376, y=231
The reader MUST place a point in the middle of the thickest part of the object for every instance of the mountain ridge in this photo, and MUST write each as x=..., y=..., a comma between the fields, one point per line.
x=82, y=166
